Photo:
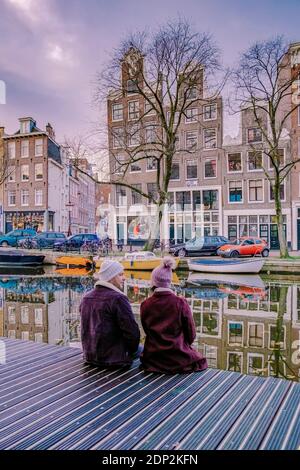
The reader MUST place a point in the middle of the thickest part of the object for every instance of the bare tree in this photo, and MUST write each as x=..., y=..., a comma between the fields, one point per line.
x=264, y=82
x=168, y=71
x=5, y=169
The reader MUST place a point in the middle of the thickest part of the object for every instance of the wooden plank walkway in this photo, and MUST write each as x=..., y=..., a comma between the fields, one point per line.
x=49, y=399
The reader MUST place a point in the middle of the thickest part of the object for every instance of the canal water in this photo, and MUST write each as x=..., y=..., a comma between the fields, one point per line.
x=244, y=323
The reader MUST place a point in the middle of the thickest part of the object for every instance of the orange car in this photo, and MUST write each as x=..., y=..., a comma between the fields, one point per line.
x=244, y=246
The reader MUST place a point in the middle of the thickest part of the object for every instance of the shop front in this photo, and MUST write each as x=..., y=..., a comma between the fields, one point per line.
x=29, y=219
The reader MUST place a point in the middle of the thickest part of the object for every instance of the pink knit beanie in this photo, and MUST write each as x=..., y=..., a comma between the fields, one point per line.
x=162, y=275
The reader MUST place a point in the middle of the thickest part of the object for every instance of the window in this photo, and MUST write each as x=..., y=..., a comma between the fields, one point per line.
x=117, y=112
x=176, y=117
x=282, y=192
x=210, y=199
x=175, y=173
x=254, y=135
x=24, y=197
x=38, y=197
x=117, y=137
x=254, y=160
x=136, y=197
x=121, y=196
x=38, y=317
x=38, y=147
x=256, y=335
x=152, y=190
x=281, y=159
x=210, y=138
x=235, y=333
x=191, y=140
x=11, y=198
x=210, y=112
x=210, y=168
x=133, y=110
x=183, y=200
x=234, y=161
x=11, y=314
x=11, y=172
x=25, y=127
x=25, y=335
x=235, y=191
x=191, y=115
x=191, y=170
x=135, y=166
x=24, y=172
x=11, y=149
x=24, y=148
x=191, y=93
x=38, y=171
x=256, y=191
x=134, y=136
x=235, y=361
x=151, y=164
x=255, y=363
x=118, y=164
x=150, y=134
x=132, y=86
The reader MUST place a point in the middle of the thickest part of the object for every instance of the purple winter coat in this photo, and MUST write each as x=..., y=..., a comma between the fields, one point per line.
x=170, y=330
x=109, y=332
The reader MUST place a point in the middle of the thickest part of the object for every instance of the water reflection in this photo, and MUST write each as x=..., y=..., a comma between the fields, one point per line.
x=243, y=324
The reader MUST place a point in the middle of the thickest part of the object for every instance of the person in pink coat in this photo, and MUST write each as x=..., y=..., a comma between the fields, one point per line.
x=169, y=327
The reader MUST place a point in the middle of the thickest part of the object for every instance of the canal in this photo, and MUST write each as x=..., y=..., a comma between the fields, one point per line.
x=245, y=324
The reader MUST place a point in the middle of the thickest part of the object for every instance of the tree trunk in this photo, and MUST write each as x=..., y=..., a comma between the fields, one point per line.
x=154, y=230
x=279, y=220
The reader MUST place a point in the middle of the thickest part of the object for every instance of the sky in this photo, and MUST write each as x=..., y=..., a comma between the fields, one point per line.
x=51, y=50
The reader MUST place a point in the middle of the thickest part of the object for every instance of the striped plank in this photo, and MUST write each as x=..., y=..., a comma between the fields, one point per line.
x=50, y=399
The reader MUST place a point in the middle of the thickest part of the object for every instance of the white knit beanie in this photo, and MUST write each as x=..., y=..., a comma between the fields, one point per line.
x=109, y=269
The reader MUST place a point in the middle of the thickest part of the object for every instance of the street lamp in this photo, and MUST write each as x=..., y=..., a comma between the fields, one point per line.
x=69, y=205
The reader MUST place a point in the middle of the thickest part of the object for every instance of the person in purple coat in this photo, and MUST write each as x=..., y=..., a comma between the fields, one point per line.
x=169, y=326
x=109, y=333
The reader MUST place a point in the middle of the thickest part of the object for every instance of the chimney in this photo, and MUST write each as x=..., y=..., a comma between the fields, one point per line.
x=50, y=131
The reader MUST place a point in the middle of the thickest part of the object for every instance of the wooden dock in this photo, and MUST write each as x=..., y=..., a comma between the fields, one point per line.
x=50, y=399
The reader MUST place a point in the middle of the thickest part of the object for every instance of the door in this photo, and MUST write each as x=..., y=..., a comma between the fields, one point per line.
x=264, y=232
x=232, y=232
x=120, y=233
x=274, y=242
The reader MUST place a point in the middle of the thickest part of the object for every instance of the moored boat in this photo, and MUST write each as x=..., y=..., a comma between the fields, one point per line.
x=20, y=258
x=139, y=261
x=74, y=261
x=230, y=265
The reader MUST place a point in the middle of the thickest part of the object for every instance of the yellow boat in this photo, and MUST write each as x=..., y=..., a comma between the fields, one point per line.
x=74, y=261
x=140, y=261
x=76, y=271
x=146, y=276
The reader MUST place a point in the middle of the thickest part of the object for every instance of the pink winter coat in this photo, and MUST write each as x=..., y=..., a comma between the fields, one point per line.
x=170, y=330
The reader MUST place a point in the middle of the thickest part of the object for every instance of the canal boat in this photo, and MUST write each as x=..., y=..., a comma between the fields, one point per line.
x=230, y=265
x=20, y=258
x=139, y=261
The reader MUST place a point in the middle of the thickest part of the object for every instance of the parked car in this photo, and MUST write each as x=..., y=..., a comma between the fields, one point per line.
x=245, y=246
x=12, y=238
x=208, y=245
x=75, y=242
x=48, y=239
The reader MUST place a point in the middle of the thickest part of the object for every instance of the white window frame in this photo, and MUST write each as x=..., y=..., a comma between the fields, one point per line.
x=210, y=177
x=243, y=329
x=216, y=112
x=190, y=149
x=254, y=141
x=186, y=168
x=228, y=193
x=284, y=336
x=147, y=169
x=8, y=198
x=35, y=173
x=249, y=355
x=210, y=148
x=27, y=145
x=138, y=112
x=188, y=98
x=137, y=163
x=36, y=144
x=255, y=323
x=120, y=138
x=11, y=174
x=138, y=142
x=150, y=129
x=150, y=111
x=38, y=191
x=23, y=191
x=227, y=162
x=177, y=163
x=193, y=118
x=38, y=315
x=262, y=162
x=11, y=150
x=263, y=191
x=112, y=112
x=269, y=189
x=25, y=127
x=131, y=93
x=24, y=174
